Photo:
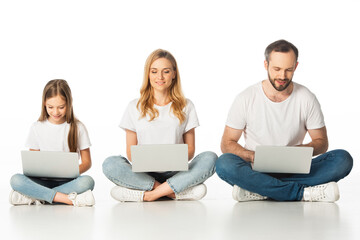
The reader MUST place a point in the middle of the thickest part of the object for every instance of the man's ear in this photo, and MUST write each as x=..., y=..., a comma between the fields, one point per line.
x=266, y=64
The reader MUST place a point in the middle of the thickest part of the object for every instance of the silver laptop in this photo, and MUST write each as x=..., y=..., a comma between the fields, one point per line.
x=159, y=157
x=50, y=164
x=278, y=159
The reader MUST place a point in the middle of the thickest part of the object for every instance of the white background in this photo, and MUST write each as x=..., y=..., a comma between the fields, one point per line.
x=100, y=48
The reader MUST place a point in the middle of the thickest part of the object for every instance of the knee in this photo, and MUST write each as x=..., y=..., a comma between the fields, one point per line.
x=86, y=182
x=209, y=158
x=205, y=162
x=224, y=162
x=345, y=159
x=228, y=164
x=110, y=163
x=112, y=166
x=17, y=181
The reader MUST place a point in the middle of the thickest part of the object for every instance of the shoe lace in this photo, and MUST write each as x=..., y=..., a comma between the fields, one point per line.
x=252, y=195
x=184, y=193
x=317, y=193
x=39, y=202
x=27, y=199
x=72, y=196
x=134, y=195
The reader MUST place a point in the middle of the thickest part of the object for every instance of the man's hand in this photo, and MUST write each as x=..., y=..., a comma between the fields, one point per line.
x=229, y=144
x=319, y=140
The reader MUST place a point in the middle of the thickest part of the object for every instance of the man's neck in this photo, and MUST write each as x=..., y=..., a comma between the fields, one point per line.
x=275, y=95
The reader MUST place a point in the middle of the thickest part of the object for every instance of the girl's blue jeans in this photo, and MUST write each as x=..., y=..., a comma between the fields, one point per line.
x=45, y=189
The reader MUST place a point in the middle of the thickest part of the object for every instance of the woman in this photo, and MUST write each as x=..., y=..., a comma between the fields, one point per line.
x=162, y=115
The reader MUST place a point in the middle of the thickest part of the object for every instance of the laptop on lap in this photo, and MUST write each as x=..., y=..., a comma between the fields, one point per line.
x=159, y=157
x=283, y=159
x=50, y=164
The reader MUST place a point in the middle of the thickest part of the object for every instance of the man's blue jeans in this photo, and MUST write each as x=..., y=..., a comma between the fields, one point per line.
x=328, y=167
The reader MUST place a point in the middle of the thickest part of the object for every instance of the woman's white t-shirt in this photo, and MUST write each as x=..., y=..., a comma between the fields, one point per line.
x=46, y=136
x=165, y=129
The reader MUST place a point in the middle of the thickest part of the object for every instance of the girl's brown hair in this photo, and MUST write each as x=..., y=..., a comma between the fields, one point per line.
x=59, y=87
x=147, y=100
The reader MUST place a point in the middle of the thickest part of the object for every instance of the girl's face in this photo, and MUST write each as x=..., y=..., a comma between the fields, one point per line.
x=161, y=74
x=56, y=108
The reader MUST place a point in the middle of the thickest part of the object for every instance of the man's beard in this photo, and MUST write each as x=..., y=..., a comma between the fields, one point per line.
x=281, y=87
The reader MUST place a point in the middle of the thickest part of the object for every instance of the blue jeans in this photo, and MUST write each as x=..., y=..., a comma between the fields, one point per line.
x=118, y=170
x=330, y=166
x=45, y=190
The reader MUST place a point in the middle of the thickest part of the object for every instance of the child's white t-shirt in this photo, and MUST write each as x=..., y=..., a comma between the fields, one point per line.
x=46, y=136
x=275, y=123
x=165, y=129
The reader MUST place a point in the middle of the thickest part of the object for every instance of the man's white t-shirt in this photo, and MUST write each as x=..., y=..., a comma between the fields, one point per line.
x=46, y=136
x=165, y=129
x=275, y=123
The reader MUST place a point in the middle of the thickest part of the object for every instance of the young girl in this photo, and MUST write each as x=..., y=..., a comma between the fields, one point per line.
x=56, y=130
x=162, y=115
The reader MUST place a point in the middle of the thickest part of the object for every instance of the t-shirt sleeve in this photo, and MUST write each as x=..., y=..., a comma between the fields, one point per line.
x=127, y=121
x=84, y=140
x=192, y=120
x=32, y=140
x=315, y=117
x=237, y=114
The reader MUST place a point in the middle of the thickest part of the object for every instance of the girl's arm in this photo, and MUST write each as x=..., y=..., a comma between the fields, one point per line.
x=85, y=160
x=131, y=139
x=189, y=139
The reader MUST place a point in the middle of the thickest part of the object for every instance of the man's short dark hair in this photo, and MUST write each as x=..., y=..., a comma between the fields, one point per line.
x=280, y=46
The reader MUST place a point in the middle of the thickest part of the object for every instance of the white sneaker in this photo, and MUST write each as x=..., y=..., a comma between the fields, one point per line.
x=85, y=199
x=328, y=192
x=17, y=198
x=192, y=193
x=126, y=194
x=243, y=195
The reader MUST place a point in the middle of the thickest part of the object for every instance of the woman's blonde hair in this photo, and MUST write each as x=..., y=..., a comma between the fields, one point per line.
x=59, y=87
x=147, y=100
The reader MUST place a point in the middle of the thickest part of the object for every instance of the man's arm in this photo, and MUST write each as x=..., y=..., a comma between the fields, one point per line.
x=319, y=141
x=229, y=144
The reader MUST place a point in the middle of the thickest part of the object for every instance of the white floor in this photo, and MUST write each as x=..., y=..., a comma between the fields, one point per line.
x=217, y=216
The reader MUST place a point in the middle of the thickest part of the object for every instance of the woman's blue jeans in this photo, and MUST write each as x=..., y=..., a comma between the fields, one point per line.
x=45, y=190
x=328, y=167
x=118, y=170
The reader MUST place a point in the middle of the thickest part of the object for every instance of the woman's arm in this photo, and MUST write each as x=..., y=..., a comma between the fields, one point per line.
x=131, y=139
x=85, y=160
x=189, y=139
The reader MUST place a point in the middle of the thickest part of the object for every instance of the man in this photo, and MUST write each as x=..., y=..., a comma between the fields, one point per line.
x=279, y=112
